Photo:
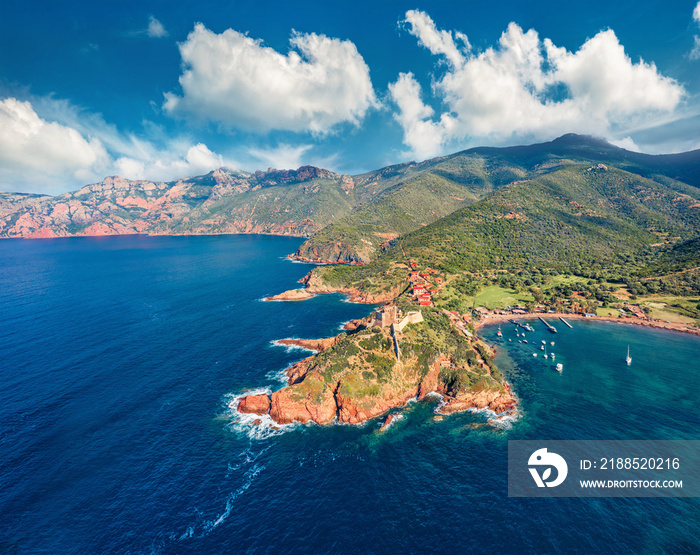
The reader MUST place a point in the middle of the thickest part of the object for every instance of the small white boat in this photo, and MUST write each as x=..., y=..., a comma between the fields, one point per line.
x=551, y=356
x=542, y=348
x=534, y=355
x=560, y=367
x=499, y=333
x=544, y=342
x=628, y=359
x=524, y=340
x=552, y=343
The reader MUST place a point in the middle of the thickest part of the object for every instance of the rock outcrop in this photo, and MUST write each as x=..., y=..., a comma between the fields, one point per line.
x=310, y=400
x=293, y=295
x=255, y=404
x=313, y=344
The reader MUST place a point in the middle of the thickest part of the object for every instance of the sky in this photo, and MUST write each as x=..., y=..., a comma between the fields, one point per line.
x=161, y=90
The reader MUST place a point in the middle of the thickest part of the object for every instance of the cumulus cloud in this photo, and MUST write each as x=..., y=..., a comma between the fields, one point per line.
x=236, y=81
x=526, y=87
x=64, y=148
x=155, y=29
x=32, y=145
x=170, y=164
x=438, y=42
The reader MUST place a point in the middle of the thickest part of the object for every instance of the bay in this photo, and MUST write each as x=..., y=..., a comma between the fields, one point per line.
x=120, y=357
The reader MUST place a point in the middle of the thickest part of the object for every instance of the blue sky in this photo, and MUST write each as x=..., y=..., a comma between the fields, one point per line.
x=161, y=90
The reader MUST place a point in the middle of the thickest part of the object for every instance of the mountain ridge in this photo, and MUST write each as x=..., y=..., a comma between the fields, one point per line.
x=345, y=218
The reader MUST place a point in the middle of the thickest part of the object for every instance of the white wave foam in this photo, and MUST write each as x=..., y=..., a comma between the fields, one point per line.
x=278, y=376
x=441, y=400
x=397, y=417
x=187, y=533
x=254, y=426
x=290, y=348
x=505, y=421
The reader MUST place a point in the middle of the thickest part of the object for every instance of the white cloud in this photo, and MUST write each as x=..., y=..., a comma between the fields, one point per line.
x=627, y=143
x=169, y=165
x=234, y=80
x=422, y=135
x=695, y=52
x=155, y=28
x=438, y=42
x=281, y=157
x=529, y=88
x=64, y=148
x=32, y=145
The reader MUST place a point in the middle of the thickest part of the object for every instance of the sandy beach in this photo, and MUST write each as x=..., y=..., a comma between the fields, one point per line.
x=673, y=326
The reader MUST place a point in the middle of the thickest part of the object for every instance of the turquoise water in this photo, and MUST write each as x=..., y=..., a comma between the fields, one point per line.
x=121, y=356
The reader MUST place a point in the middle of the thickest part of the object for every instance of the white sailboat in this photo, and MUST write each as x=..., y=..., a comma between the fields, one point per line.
x=628, y=359
x=499, y=333
x=560, y=367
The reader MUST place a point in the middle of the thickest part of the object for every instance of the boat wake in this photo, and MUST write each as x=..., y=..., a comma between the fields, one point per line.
x=206, y=526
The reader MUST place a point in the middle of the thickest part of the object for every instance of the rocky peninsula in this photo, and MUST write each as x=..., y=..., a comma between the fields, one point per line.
x=365, y=372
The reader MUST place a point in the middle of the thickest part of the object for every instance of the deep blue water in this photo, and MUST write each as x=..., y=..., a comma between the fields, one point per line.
x=119, y=358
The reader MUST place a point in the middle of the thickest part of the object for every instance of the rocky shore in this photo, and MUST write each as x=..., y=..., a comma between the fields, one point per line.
x=292, y=295
x=308, y=398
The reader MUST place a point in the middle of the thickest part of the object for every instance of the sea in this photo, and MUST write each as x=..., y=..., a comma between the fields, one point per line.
x=121, y=359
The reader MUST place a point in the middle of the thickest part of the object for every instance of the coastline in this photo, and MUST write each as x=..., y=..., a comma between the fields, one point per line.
x=668, y=326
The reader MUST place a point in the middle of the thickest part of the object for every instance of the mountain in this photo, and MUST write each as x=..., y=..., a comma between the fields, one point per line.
x=579, y=218
x=551, y=198
x=421, y=194
x=296, y=202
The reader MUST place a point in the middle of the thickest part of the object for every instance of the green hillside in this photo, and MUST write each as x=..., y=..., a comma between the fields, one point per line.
x=418, y=194
x=580, y=219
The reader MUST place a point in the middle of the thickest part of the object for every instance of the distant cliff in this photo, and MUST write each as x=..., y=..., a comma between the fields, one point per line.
x=281, y=202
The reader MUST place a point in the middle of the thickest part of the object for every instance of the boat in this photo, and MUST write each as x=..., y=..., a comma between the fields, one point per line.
x=499, y=333
x=551, y=356
x=551, y=343
x=534, y=355
x=560, y=367
x=524, y=340
x=628, y=359
x=541, y=347
x=544, y=342
x=549, y=326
